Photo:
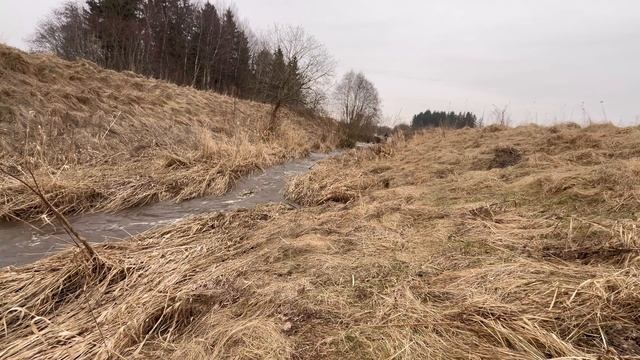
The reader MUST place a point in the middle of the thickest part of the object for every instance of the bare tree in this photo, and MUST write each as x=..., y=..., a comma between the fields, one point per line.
x=358, y=105
x=501, y=115
x=65, y=34
x=308, y=72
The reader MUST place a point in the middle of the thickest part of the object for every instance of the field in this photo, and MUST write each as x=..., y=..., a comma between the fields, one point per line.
x=489, y=243
x=99, y=140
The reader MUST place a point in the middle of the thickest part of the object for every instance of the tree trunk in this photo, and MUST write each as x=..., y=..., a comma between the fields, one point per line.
x=273, y=120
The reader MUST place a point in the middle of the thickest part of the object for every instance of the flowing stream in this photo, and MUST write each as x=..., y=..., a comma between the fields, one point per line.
x=22, y=243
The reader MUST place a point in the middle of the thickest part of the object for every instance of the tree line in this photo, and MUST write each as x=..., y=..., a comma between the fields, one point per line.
x=191, y=44
x=200, y=45
x=444, y=119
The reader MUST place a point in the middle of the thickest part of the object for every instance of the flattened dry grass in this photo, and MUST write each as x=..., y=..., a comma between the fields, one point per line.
x=534, y=258
x=335, y=187
x=428, y=256
x=99, y=140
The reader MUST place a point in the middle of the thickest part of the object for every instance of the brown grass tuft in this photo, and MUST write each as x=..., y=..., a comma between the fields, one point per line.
x=324, y=185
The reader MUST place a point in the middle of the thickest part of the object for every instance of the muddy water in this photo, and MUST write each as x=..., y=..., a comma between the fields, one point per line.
x=24, y=243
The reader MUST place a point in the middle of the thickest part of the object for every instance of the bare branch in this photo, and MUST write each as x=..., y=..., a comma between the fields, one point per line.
x=35, y=188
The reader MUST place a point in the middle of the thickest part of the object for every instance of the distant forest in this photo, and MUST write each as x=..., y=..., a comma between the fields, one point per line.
x=189, y=44
x=444, y=119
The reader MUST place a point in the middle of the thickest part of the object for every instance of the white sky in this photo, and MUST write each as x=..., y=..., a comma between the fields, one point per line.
x=543, y=58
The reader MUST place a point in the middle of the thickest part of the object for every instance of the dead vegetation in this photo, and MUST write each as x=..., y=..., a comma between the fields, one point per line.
x=99, y=140
x=404, y=251
x=503, y=157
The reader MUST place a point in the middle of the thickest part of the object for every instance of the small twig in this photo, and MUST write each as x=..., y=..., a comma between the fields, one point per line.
x=421, y=324
x=291, y=205
x=28, y=224
x=553, y=302
x=400, y=351
x=75, y=236
x=95, y=321
x=110, y=125
x=65, y=223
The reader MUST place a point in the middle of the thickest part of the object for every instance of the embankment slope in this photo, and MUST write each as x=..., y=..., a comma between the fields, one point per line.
x=100, y=140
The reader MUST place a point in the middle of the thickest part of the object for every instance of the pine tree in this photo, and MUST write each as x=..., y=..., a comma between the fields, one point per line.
x=116, y=24
x=206, y=37
x=445, y=119
x=261, y=69
x=277, y=78
x=225, y=61
x=294, y=83
x=242, y=68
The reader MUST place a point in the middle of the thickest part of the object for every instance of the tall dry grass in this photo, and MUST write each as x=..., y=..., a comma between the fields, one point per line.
x=440, y=249
x=99, y=140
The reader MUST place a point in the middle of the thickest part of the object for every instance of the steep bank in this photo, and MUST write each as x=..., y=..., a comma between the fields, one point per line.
x=481, y=243
x=100, y=140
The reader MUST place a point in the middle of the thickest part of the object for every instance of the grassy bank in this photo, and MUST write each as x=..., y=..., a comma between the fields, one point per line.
x=99, y=140
x=483, y=244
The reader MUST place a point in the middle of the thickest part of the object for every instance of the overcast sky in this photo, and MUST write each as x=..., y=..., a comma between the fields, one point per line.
x=545, y=59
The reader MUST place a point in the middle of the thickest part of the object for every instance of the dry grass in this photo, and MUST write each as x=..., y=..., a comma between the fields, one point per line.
x=99, y=140
x=405, y=251
x=472, y=244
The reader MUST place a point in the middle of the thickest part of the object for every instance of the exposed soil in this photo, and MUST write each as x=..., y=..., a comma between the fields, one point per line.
x=504, y=157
